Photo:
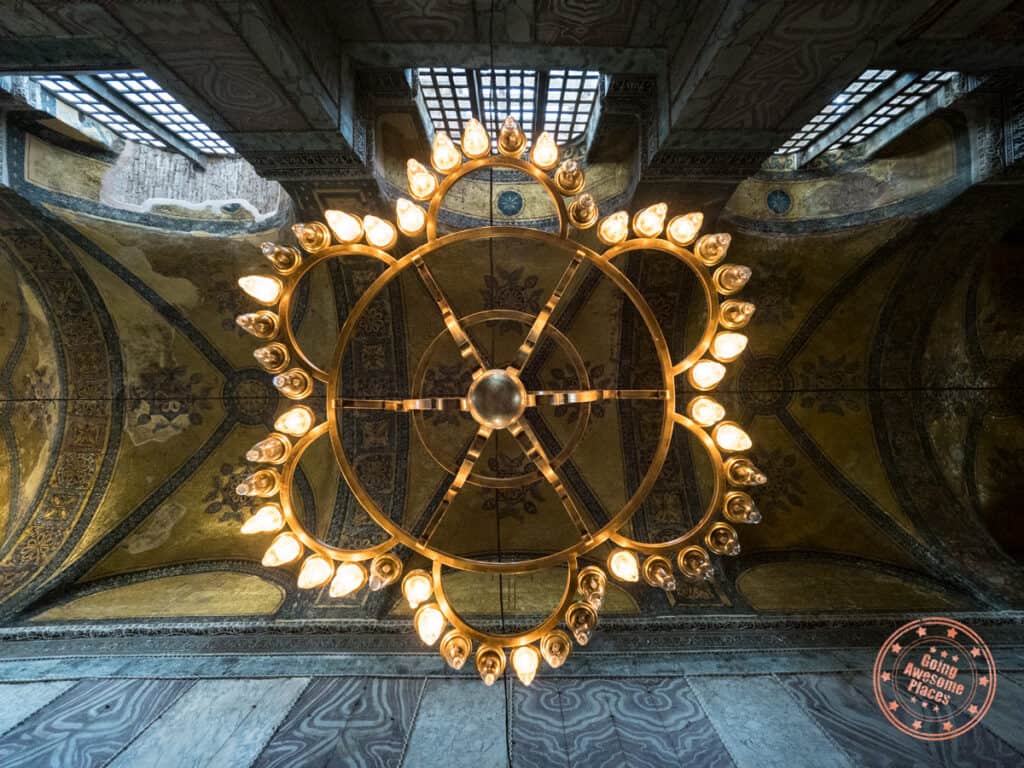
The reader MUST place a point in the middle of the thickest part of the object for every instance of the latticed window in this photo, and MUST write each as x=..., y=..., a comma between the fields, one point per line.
x=561, y=101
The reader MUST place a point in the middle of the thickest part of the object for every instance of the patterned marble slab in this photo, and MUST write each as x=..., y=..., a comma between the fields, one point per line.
x=19, y=700
x=460, y=724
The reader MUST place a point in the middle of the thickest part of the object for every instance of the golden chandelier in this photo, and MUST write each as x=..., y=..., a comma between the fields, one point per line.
x=497, y=399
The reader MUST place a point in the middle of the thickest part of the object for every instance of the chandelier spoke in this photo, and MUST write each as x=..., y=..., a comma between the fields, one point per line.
x=529, y=344
x=404, y=406
x=534, y=451
x=467, y=349
x=476, y=447
x=581, y=396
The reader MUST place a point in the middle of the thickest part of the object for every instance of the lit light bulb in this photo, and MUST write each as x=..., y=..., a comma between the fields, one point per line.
x=651, y=220
x=545, y=152
x=569, y=177
x=262, y=324
x=490, y=663
x=735, y=314
x=475, y=141
x=417, y=588
x=285, y=549
x=313, y=236
x=294, y=383
x=266, y=519
x=694, y=564
x=315, y=572
x=741, y=471
x=411, y=218
x=730, y=278
x=526, y=661
x=429, y=622
x=511, y=139
x=455, y=648
x=272, y=358
x=346, y=227
x=658, y=573
x=380, y=233
x=682, y=230
x=284, y=258
x=730, y=437
x=613, y=229
x=422, y=183
x=384, y=570
x=740, y=508
x=444, y=155
x=264, y=482
x=348, y=579
x=722, y=539
x=581, y=618
x=272, y=449
x=583, y=211
x=705, y=411
x=728, y=346
x=295, y=421
x=264, y=288
x=555, y=647
x=624, y=565
x=706, y=374
x=711, y=249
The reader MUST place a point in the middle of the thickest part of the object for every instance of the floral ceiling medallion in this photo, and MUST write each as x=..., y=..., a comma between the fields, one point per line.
x=498, y=401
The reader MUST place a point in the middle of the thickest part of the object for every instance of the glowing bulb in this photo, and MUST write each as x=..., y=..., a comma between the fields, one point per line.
x=264, y=288
x=284, y=549
x=735, y=314
x=315, y=572
x=711, y=249
x=273, y=449
x=417, y=588
x=555, y=647
x=273, y=357
x=706, y=411
x=346, y=227
x=730, y=437
x=411, y=218
x=705, y=374
x=526, y=661
x=728, y=346
x=545, y=152
x=444, y=155
x=475, y=141
x=379, y=232
x=429, y=622
x=267, y=519
x=651, y=220
x=613, y=229
x=730, y=278
x=511, y=138
x=347, y=579
x=624, y=565
x=295, y=421
x=682, y=230
x=422, y=183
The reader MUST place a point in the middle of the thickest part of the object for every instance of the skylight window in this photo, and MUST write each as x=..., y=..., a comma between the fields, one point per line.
x=112, y=97
x=852, y=95
x=560, y=101
x=74, y=95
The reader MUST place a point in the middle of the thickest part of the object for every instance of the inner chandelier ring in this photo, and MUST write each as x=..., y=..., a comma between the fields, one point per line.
x=498, y=401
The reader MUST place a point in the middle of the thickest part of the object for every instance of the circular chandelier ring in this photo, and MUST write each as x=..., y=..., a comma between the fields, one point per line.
x=585, y=544
x=512, y=639
x=496, y=161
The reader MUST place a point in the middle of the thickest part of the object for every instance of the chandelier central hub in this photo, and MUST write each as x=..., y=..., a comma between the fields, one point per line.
x=496, y=399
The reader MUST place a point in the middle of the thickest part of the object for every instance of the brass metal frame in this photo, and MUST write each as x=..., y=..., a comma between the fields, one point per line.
x=590, y=535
